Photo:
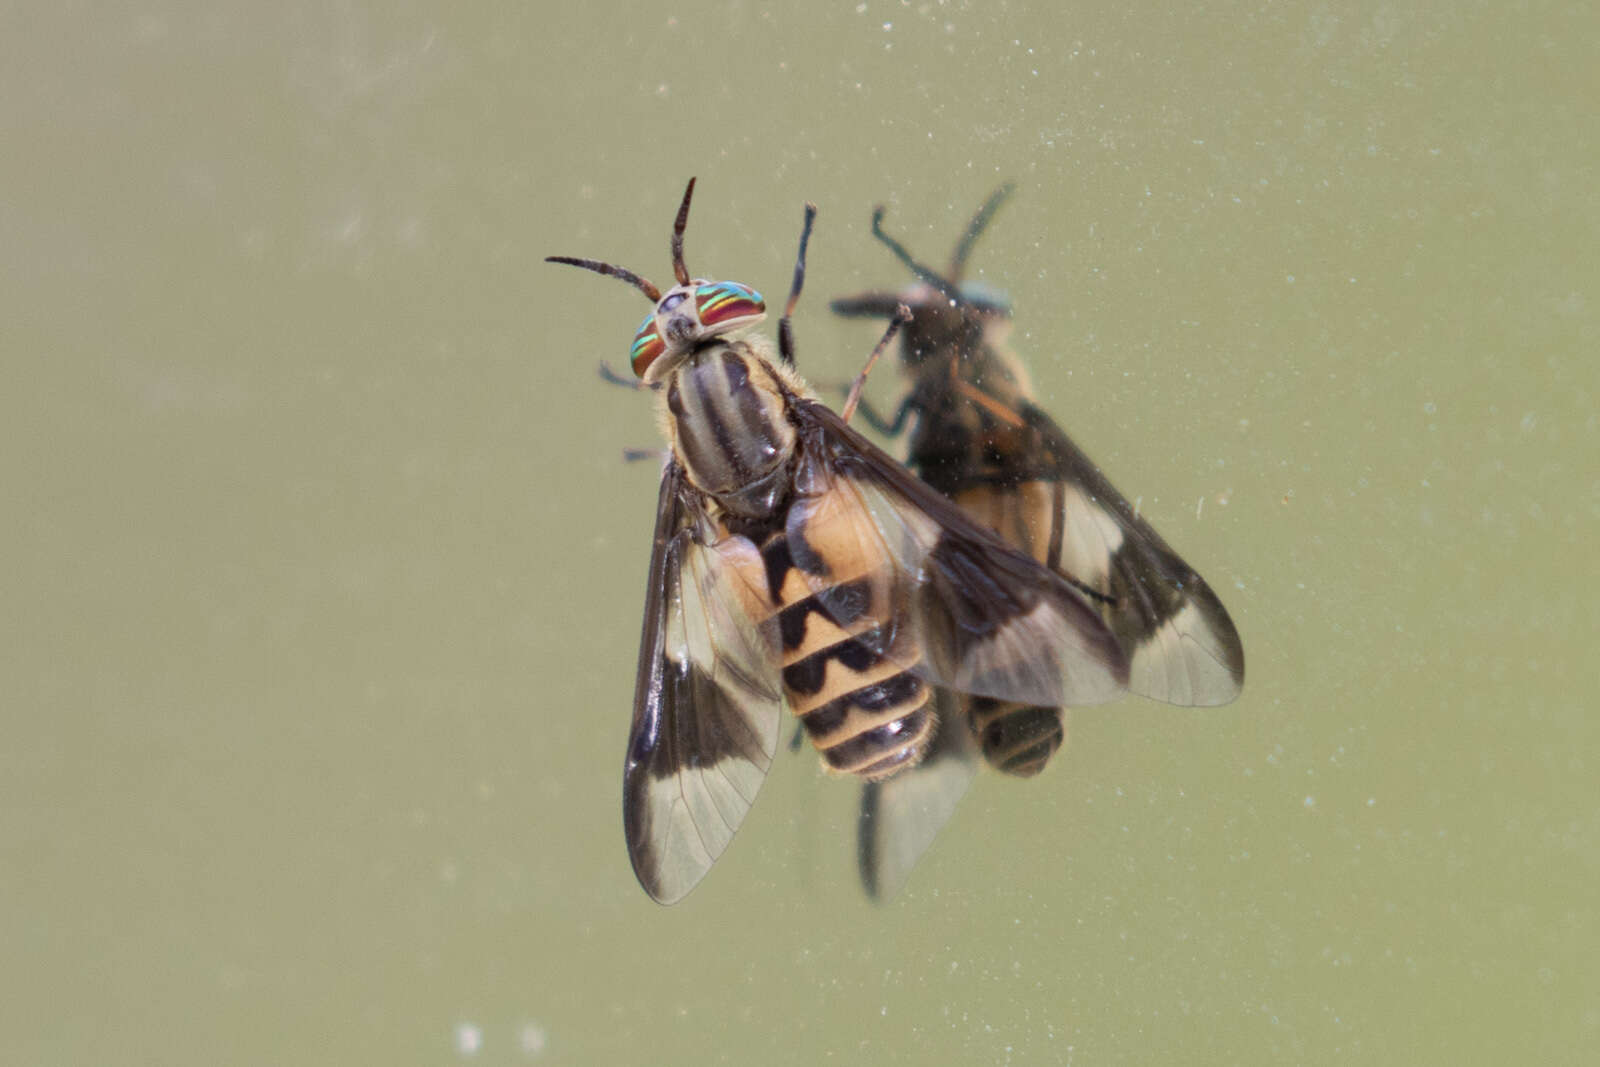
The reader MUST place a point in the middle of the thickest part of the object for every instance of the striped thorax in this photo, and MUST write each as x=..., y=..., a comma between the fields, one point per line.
x=725, y=408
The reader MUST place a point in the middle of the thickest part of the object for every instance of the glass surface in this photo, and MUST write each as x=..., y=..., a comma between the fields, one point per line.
x=325, y=571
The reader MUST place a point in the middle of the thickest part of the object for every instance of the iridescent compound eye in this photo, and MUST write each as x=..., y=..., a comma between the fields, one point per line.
x=647, y=345
x=727, y=306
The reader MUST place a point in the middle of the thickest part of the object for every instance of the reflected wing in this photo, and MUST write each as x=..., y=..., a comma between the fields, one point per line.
x=901, y=815
x=707, y=702
x=989, y=620
x=1182, y=647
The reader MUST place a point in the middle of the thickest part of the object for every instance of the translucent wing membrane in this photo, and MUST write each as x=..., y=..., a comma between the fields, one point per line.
x=1181, y=645
x=707, y=707
x=900, y=816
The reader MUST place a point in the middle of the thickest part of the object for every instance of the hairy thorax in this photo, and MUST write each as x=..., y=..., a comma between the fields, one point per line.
x=727, y=415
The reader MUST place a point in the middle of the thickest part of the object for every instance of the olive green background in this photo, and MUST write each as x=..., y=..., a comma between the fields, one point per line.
x=323, y=570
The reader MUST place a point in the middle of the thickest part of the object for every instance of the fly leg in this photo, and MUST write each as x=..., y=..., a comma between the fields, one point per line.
x=902, y=315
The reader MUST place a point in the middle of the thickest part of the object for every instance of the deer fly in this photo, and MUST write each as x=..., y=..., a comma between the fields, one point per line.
x=795, y=564
x=976, y=436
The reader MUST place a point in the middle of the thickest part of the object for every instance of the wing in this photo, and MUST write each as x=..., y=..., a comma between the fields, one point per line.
x=988, y=619
x=901, y=815
x=1182, y=647
x=707, y=703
